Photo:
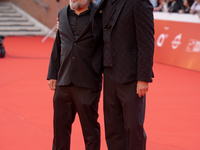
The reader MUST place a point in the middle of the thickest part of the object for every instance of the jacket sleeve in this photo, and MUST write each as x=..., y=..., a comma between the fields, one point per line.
x=144, y=22
x=54, y=63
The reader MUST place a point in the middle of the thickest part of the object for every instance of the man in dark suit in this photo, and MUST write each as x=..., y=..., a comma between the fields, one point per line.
x=75, y=73
x=128, y=35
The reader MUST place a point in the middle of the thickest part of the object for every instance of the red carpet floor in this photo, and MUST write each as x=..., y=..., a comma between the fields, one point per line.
x=26, y=112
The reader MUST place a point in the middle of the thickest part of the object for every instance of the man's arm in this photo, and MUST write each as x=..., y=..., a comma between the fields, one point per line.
x=54, y=64
x=144, y=22
x=143, y=17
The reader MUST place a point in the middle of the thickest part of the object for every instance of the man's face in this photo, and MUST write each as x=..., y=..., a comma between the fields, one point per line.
x=78, y=4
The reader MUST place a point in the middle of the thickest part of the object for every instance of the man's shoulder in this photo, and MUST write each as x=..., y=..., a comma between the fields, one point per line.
x=63, y=10
x=95, y=5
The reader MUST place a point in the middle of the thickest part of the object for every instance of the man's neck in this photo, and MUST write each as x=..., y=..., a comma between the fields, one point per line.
x=78, y=11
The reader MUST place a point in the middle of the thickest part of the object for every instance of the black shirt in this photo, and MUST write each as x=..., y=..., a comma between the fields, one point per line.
x=79, y=22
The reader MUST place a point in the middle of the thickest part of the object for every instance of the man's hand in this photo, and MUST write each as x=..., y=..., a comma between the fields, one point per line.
x=142, y=88
x=57, y=23
x=52, y=84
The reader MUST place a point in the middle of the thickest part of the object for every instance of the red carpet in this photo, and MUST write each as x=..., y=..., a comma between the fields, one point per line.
x=26, y=112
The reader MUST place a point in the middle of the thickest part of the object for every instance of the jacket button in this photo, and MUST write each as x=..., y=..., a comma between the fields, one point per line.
x=73, y=57
x=74, y=43
x=105, y=29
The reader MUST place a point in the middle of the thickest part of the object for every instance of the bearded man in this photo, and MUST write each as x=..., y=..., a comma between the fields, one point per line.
x=75, y=73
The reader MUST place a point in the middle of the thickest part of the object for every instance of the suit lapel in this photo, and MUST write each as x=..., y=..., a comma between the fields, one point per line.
x=66, y=25
x=119, y=9
x=101, y=4
x=110, y=14
x=97, y=22
x=93, y=9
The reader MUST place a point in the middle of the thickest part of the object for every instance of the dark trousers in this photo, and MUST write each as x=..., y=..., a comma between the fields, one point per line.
x=123, y=114
x=67, y=101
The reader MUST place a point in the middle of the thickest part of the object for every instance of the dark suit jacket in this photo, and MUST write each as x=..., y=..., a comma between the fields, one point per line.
x=77, y=61
x=132, y=40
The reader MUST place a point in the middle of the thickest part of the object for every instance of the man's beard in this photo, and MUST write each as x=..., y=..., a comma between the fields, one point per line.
x=77, y=5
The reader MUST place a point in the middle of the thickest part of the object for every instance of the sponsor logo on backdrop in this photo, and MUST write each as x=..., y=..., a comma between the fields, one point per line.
x=193, y=46
x=177, y=41
x=161, y=39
